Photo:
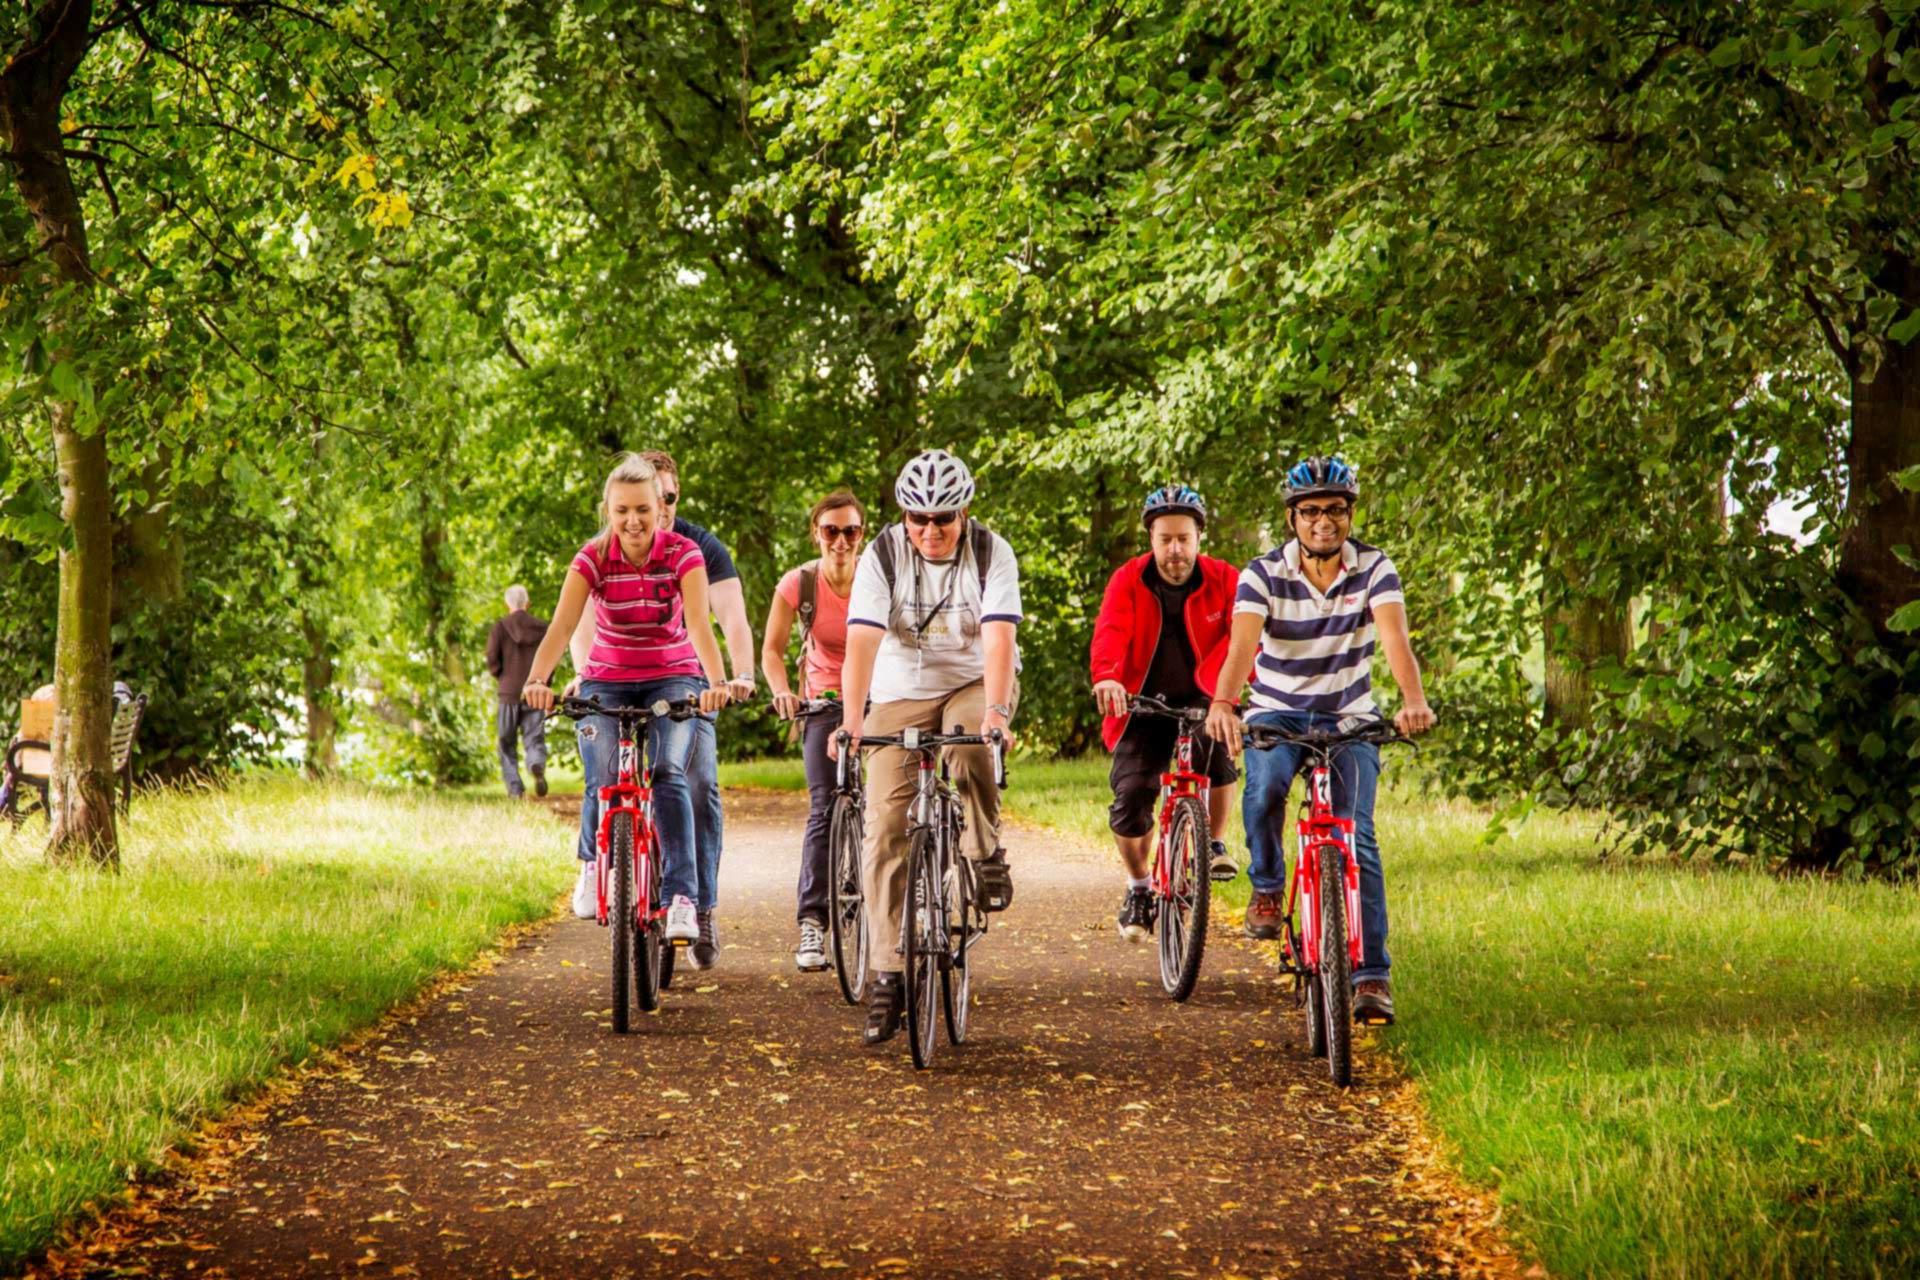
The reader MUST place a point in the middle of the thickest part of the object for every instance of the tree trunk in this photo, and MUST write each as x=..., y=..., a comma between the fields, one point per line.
x=1885, y=440
x=1581, y=634
x=316, y=682
x=33, y=87
x=82, y=790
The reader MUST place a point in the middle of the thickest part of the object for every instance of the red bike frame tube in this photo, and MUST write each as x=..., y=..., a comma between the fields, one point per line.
x=1321, y=831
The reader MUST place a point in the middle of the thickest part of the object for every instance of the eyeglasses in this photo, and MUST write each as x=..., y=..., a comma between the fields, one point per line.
x=668, y=499
x=1335, y=513
x=851, y=532
x=920, y=521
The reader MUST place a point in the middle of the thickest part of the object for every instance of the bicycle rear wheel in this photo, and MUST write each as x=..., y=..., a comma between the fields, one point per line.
x=923, y=946
x=1183, y=914
x=965, y=925
x=1336, y=970
x=846, y=906
x=648, y=966
x=620, y=916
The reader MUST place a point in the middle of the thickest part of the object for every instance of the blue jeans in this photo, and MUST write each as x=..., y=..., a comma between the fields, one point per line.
x=703, y=780
x=670, y=744
x=1356, y=776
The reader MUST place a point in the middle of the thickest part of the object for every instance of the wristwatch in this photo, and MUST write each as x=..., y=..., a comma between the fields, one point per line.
x=1004, y=711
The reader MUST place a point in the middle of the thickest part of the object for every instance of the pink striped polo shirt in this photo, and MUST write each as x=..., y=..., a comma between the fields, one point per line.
x=642, y=632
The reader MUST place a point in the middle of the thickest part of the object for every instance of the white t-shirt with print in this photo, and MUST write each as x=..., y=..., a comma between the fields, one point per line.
x=933, y=618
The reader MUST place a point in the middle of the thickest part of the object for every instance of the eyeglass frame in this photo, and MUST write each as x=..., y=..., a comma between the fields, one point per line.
x=830, y=532
x=1336, y=514
x=932, y=519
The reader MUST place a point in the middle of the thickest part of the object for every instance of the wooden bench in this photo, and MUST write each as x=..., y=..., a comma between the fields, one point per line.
x=29, y=760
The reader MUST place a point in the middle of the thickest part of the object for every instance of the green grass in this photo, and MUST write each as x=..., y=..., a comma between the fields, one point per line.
x=1665, y=1071
x=248, y=927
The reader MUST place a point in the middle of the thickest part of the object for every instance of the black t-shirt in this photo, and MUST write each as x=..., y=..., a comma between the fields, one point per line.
x=1170, y=677
x=712, y=550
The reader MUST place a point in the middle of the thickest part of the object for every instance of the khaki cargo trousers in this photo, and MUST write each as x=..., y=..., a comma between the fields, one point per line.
x=891, y=779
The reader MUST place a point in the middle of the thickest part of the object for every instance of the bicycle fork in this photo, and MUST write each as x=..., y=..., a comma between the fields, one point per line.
x=1323, y=834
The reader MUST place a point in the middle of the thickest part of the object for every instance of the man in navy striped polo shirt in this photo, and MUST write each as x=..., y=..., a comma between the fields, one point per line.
x=1305, y=621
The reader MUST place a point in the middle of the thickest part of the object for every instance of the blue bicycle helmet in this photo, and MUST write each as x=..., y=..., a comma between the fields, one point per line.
x=1319, y=477
x=1174, y=500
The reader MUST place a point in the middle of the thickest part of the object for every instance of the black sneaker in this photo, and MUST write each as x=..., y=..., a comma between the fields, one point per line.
x=706, y=948
x=1222, y=869
x=993, y=882
x=1137, y=914
x=539, y=781
x=886, y=1002
x=1373, y=1002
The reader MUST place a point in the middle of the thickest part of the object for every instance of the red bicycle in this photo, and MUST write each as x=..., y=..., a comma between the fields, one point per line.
x=628, y=865
x=1179, y=877
x=1325, y=947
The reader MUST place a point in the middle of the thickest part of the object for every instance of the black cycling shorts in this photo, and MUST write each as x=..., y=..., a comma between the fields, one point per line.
x=1144, y=752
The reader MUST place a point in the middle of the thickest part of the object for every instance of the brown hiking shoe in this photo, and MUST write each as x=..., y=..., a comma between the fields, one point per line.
x=1373, y=1002
x=1265, y=915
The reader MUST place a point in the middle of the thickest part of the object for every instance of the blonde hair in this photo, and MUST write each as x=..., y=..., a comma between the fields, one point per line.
x=631, y=468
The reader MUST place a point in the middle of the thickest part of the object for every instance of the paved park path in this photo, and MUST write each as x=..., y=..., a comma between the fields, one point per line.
x=1090, y=1127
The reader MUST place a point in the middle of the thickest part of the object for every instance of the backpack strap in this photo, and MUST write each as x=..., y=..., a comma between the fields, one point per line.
x=885, y=551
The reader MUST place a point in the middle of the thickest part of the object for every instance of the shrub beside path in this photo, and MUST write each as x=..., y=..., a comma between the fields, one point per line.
x=1090, y=1127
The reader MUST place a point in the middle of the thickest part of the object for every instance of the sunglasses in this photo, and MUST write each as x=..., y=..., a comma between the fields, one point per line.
x=1310, y=514
x=668, y=499
x=851, y=532
x=941, y=521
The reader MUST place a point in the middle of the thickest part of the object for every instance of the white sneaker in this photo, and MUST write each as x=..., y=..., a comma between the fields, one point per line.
x=586, y=893
x=683, y=925
x=811, y=955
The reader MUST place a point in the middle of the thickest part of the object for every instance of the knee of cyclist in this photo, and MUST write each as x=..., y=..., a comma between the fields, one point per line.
x=1131, y=813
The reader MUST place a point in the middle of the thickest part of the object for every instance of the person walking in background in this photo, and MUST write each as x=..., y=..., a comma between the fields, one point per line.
x=816, y=595
x=510, y=649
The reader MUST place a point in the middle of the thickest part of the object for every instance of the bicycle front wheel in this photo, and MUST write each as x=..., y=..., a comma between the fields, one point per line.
x=924, y=948
x=847, y=906
x=1183, y=913
x=648, y=961
x=620, y=916
x=966, y=923
x=1336, y=970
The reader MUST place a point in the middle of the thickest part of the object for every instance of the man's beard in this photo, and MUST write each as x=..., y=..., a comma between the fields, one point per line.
x=1176, y=571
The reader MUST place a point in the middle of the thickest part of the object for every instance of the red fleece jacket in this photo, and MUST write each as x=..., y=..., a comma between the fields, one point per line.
x=1129, y=626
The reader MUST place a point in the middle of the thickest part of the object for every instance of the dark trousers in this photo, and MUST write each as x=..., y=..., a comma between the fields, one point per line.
x=814, y=854
x=515, y=721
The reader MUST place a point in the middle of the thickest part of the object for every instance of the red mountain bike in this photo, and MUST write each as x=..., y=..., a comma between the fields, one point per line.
x=628, y=865
x=1179, y=875
x=1325, y=947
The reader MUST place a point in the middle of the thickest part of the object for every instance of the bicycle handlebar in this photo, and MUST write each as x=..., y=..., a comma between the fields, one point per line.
x=578, y=708
x=1379, y=732
x=922, y=741
x=1145, y=704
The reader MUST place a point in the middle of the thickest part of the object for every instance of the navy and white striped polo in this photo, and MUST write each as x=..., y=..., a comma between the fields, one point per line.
x=1316, y=651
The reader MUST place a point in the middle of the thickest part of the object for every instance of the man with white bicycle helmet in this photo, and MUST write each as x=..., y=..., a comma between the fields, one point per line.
x=931, y=642
x=1305, y=620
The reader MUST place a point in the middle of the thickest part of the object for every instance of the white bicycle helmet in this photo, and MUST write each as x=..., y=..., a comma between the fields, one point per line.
x=935, y=481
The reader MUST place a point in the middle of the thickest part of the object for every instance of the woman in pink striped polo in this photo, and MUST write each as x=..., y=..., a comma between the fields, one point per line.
x=654, y=642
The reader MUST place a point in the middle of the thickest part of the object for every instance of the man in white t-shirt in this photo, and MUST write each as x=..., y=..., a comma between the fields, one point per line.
x=931, y=640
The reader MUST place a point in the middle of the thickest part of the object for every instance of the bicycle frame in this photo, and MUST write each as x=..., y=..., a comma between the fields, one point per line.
x=1178, y=782
x=632, y=793
x=1320, y=834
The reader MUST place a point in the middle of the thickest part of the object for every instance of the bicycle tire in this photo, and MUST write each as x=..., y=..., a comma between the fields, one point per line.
x=647, y=954
x=956, y=977
x=1336, y=970
x=1316, y=1015
x=922, y=953
x=1183, y=914
x=620, y=916
x=846, y=904
x=666, y=965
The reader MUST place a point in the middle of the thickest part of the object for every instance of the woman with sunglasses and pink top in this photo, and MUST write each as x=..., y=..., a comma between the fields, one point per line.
x=816, y=594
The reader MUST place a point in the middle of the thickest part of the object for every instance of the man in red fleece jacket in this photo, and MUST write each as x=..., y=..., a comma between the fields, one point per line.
x=1163, y=630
